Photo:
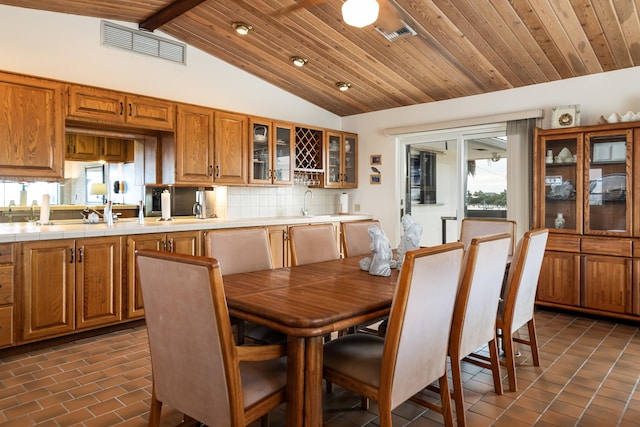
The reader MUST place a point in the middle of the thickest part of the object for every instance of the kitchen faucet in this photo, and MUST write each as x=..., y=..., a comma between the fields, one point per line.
x=305, y=209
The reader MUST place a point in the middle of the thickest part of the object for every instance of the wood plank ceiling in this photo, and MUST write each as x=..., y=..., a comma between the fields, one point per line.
x=462, y=47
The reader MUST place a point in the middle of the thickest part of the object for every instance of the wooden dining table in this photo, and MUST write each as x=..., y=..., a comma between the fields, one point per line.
x=306, y=303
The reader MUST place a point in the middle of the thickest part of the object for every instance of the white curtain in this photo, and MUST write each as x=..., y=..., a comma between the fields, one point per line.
x=520, y=178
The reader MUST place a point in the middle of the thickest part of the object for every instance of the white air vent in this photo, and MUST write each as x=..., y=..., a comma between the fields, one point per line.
x=400, y=33
x=142, y=42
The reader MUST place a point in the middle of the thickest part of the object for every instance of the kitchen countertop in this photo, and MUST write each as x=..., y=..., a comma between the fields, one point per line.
x=73, y=229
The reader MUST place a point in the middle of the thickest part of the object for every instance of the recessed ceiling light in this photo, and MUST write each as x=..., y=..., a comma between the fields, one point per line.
x=343, y=86
x=299, y=61
x=242, y=28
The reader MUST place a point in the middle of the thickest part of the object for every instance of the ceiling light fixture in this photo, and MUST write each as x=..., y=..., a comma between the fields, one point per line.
x=360, y=13
x=299, y=61
x=343, y=86
x=242, y=28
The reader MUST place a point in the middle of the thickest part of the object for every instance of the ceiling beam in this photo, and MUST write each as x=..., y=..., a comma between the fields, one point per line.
x=170, y=12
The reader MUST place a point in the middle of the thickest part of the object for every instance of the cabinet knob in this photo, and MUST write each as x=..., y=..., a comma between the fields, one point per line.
x=73, y=256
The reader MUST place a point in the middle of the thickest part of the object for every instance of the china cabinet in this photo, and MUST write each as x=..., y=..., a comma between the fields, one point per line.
x=271, y=149
x=90, y=104
x=583, y=179
x=342, y=165
x=182, y=242
x=31, y=128
x=69, y=285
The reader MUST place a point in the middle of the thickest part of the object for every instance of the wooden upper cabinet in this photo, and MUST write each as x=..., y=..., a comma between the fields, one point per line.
x=31, y=128
x=95, y=148
x=230, y=148
x=341, y=151
x=194, y=145
x=107, y=106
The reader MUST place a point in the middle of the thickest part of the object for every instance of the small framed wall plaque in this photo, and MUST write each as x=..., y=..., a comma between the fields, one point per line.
x=376, y=159
x=375, y=178
x=565, y=116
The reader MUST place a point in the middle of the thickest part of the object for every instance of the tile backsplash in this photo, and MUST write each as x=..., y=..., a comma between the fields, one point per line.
x=255, y=202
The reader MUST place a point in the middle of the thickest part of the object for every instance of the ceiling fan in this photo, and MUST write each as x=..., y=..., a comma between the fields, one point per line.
x=385, y=17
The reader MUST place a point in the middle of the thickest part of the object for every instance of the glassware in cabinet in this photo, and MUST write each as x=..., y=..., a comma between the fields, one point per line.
x=607, y=176
x=560, y=206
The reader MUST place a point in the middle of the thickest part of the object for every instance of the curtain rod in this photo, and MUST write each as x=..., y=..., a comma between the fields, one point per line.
x=496, y=118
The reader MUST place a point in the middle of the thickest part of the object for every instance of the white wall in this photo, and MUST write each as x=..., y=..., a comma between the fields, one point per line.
x=600, y=94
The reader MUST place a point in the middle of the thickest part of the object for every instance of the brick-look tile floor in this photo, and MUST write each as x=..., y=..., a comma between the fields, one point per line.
x=589, y=375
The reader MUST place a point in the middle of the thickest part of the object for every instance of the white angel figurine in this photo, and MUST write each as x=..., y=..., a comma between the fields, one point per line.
x=410, y=239
x=380, y=262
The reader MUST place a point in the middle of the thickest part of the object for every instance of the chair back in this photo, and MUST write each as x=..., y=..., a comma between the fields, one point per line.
x=415, y=348
x=474, y=318
x=312, y=243
x=239, y=250
x=355, y=237
x=193, y=357
x=519, y=295
x=473, y=227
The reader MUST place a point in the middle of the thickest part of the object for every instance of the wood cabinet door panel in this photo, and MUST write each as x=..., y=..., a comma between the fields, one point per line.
x=135, y=306
x=6, y=326
x=31, y=129
x=185, y=242
x=230, y=148
x=279, y=246
x=98, y=104
x=48, y=273
x=150, y=112
x=194, y=146
x=98, y=281
x=559, y=281
x=6, y=284
x=607, y=283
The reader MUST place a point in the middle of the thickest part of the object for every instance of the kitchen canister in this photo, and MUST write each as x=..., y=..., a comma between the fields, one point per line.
x=344, y=203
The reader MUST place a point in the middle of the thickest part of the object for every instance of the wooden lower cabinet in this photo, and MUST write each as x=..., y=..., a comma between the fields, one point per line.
x=70, y=285
x=183, y=242
x=559, y=281
x=279, y=241
x=7, y=289
x=607, y=283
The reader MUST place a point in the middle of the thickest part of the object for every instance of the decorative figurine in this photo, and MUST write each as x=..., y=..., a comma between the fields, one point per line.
x=410, y=239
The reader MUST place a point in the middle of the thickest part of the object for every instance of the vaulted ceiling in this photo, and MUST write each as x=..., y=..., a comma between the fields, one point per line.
x=462, y=47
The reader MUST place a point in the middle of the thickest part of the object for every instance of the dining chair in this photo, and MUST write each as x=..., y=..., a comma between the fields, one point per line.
x=518, y=300
x=243, y=250
x=474, y=316
x=355, y=237
x=413, y=354
x=239, y=250
x=196, y=366
x=476, y=227
x=312, y=243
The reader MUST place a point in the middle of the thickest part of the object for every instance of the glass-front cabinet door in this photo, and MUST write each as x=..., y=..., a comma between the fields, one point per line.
x=341, y=155
x=283, y=152
x=560, y=195
x=271, y=152
x=607, y=176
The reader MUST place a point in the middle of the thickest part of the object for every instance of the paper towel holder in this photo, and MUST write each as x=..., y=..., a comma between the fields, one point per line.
x=344, y=204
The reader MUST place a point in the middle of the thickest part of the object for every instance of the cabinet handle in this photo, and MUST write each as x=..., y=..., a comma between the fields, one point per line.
x=164, y=245
x=210, y=170
x=130, y=110
x=121, y=108
x=80, y=253
x=73, y=256
x=217, y=171
x=171, y=245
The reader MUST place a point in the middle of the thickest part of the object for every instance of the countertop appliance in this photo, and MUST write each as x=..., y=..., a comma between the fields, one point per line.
x=182, y=199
